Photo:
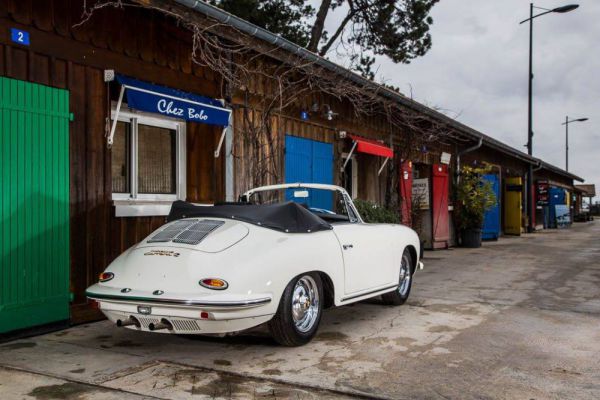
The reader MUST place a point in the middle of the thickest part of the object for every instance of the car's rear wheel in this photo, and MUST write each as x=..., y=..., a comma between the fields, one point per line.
x=400, y=295
x=299, y=312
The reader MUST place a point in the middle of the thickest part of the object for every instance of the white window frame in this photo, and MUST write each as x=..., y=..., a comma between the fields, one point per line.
x=354, y=162
x=134, y=197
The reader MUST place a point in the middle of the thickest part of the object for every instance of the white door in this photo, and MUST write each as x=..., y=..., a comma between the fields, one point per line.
x=368, y=261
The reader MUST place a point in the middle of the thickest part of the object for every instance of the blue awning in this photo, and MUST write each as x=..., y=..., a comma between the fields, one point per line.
x=173, y=103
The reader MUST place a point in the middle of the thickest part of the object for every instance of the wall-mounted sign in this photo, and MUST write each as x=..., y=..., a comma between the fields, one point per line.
x=563, y=215
x=445, y=158
x=19, y=36
x=304, y=115
x=173, y=103
x=420, y=193
x=542, y=193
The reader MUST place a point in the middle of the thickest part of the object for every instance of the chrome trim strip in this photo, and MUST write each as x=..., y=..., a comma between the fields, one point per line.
x=369, y=293
x=194, y=303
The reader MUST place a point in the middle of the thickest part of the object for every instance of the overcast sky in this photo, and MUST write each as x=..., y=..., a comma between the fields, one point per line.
x=477, y=71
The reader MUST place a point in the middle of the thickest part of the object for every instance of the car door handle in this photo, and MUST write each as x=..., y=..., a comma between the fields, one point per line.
x=348, y=246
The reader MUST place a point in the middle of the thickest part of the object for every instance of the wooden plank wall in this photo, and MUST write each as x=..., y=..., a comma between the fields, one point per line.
x=74, y=58
x=317, y=127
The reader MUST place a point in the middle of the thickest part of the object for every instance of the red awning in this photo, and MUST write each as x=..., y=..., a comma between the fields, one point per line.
x=371, y=146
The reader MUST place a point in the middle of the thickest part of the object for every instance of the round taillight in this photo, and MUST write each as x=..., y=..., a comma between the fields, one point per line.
x=106, y=276
x=214, y=283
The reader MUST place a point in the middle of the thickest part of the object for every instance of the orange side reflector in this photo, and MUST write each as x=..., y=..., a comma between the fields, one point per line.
x=214, y=283
x=106, y=276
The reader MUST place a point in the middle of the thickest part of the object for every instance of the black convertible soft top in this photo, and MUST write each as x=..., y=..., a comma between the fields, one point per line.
x=287, y=217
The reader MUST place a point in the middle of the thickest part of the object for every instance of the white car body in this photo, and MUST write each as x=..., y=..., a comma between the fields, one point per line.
x=157, y=281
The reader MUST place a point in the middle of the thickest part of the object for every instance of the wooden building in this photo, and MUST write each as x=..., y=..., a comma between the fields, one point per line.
x=72, y=201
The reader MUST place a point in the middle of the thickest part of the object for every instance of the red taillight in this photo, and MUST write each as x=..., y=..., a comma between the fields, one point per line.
x=95, y=304
x=203, y=315
x=106, y=276
x=214, y=283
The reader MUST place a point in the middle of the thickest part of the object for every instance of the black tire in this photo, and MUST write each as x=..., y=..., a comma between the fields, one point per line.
x=283, y=327
x=400, y=295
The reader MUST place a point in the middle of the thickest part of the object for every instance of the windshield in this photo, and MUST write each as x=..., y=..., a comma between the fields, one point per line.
x=327, y=204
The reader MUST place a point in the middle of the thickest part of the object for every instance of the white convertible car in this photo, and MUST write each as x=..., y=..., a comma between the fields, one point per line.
x=229, y=267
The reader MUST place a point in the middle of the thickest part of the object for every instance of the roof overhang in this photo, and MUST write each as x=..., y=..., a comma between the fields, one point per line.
x=587, y=190
x=275, y=40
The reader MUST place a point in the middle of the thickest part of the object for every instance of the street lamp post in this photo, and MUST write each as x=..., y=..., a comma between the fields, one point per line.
x=566, y=124
x=528, y=187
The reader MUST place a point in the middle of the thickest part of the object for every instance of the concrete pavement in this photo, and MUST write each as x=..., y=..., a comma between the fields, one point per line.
x=516, y=319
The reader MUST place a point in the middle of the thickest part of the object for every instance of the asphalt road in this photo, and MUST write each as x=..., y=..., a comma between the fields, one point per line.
x=516, y=319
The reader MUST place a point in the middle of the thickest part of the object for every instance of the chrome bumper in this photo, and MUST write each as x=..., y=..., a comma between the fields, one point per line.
x=242, y=303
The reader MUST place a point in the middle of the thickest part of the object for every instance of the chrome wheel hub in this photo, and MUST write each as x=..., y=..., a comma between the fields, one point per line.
x=405, y=277
x=305, y=303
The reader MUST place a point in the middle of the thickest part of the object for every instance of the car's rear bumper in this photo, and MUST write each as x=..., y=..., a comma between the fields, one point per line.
x=202, y=303
x=186, y=315
x=178, y=324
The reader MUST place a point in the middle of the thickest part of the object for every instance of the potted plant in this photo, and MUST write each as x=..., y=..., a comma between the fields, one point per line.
x=474, y=197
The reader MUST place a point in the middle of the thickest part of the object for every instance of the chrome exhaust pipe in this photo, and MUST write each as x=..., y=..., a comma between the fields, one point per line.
x=163, y=324
x=129, y=321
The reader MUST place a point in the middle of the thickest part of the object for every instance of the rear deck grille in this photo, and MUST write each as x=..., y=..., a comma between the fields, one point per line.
x=185, y=325
x=144, y=321
x=186, y=231
x=179, y=325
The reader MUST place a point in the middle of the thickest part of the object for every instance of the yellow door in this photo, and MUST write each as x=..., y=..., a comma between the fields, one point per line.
x=512, y=205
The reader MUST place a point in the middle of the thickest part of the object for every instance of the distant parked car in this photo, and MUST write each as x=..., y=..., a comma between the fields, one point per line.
x=225, y=268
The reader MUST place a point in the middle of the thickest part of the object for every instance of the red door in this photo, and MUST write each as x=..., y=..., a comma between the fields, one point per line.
x=440, y=215
x=406, y=191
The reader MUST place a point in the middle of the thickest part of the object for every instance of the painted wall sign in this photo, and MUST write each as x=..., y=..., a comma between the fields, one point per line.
x=563, y=215
x=173, y=103
x=445, y=158
x=542, y=193
x=420, y=193
x=19, y=36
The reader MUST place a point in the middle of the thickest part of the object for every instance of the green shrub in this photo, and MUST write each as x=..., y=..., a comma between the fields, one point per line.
x=374, y=213
x=475, y=196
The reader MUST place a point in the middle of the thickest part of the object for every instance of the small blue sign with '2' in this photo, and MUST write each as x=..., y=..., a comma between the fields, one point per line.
x=19, y=36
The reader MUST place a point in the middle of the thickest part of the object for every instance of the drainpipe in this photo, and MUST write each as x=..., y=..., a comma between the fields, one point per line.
x=530, y=184
x=465, y=151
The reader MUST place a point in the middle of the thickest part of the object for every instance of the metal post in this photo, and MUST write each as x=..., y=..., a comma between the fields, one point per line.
x=528, y=196
x=567, y=143
x=530, y=99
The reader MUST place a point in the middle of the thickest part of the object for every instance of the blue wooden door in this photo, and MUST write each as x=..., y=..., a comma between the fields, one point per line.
x=491, y=220
x=309, y=161
x=556, y=196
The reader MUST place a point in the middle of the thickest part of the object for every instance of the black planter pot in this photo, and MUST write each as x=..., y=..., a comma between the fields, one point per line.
x=470, y=238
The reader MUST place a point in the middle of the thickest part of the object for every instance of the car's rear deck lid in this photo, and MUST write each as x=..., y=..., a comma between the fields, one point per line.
x=287, y=217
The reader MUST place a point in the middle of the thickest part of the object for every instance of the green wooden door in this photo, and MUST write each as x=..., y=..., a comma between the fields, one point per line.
x=34, y=195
